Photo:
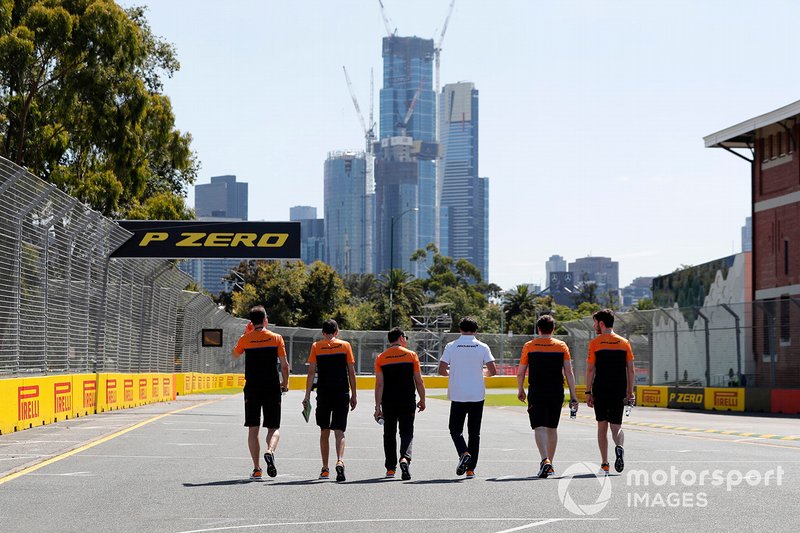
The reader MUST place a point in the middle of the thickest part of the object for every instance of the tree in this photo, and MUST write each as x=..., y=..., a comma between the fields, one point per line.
x=81, y=105
x=322, y=295
x=278, y=286
x=517, y=302
x=407, y=297
x=645, y=304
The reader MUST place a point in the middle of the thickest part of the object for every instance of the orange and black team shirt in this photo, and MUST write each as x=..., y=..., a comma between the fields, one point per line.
x=545, y=359
x=332, y=358
x=398, y=366
x=610, y=353
x=261, y=348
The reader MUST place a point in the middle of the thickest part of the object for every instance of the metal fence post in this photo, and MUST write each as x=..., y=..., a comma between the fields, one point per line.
x=675, y=325
x=738, y=341
x=708, y=347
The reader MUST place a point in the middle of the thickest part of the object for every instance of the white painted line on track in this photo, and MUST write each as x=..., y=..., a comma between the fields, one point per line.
x=396, y=520
x=532, y=524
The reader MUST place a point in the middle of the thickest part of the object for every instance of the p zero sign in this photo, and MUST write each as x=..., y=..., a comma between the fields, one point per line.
x=178, y=239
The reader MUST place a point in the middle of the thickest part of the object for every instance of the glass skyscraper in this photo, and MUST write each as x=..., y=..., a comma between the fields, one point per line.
x=464, y=230
x=349, y=213
x=222, y=199
x=405, y=168
x=312, y=233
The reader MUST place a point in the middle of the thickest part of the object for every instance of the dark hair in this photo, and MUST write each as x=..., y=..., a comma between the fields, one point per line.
x=468, y=324
x=546, y=324
x=394, y=334
x=258, y=314
x=606, y=316
x=330, y=326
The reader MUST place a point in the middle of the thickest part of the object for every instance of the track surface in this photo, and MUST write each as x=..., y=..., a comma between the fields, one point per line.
x=184, y=466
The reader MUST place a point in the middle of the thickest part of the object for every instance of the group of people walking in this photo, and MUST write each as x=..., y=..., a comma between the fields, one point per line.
x=400, y=391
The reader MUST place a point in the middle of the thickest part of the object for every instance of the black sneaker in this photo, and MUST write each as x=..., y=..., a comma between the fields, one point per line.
x=340, y=472
x=462, y=464
x=405, y=473
x=619, y=464
x=544, y=468
x=269, y=458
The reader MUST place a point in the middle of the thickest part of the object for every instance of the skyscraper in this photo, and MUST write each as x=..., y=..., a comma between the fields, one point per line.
x=464, y=215
x=556, y=263
x=349, y=213
x=405, y=168
x=747, y=235
x=312, y=233
x=222, y=199
x=601, y=270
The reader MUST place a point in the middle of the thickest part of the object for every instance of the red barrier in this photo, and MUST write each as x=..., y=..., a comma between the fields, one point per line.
x=786, y=401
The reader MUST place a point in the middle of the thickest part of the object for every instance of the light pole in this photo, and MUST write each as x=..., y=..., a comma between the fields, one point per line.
x=391, y=262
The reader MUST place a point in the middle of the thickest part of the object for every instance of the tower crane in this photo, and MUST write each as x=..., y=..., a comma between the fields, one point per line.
x=437, y=50
x=386, y=22
x=369, y=130
x=404, y=123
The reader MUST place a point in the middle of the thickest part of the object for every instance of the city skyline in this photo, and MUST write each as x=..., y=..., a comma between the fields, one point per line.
x=613, y=112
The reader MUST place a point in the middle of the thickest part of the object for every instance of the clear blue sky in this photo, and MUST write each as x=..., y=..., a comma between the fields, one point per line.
x=592, y=112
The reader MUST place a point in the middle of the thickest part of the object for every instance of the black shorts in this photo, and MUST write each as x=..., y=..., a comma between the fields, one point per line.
x=609, y=407
x=545, y=411
x=331, y=412
x=257, y=402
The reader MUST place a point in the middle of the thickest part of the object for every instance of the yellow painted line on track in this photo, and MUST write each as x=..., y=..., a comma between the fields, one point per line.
x=791, y=437
x=101, y=440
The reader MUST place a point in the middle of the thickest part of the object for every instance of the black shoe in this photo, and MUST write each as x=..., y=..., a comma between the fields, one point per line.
x=269, y=458
x=619, y=464
x=340, y=472
x=462, y=464
x=406, y=474
x=542, y=469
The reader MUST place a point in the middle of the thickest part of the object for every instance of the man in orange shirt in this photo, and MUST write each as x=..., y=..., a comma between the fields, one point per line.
x=549, y=362
x=609, y=385
x=333, y=360
x=397, y=375
x=263, y=350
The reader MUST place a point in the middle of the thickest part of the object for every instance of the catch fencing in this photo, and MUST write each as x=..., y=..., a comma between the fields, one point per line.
x=67, y=307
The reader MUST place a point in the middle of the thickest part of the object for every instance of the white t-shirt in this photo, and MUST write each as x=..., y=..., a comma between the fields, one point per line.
x=466, y=357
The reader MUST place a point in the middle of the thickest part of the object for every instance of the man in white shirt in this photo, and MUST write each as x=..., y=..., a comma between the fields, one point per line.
x=463, y=361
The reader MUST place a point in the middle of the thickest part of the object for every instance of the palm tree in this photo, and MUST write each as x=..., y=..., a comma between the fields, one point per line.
x=407, y=296
x=518, y=301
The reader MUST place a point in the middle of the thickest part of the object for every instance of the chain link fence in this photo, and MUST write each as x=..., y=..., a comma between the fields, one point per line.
x=752, y=344
x=66, y=307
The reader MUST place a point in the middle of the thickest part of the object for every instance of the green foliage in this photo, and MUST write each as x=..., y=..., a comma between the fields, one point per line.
x=645, y=304
x=80, y=105
x=322, y=295
x=278, y=286
x=407, y=298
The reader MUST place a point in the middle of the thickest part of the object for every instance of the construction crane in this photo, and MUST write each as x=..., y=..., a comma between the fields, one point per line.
x=437, y=50
x=404, y=123
x=369, y=130
x=386, y=22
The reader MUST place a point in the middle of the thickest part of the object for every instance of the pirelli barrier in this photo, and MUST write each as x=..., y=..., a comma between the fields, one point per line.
x=34, y=401
x=752, y=400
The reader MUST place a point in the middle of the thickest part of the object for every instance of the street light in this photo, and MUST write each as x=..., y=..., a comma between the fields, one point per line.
x=391, y=262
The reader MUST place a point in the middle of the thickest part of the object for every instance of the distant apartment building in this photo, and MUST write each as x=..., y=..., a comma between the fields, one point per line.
x=601, y=270
x=747, y=235
x=464, y=211
x=639, y=289
x=349, y=213
x=556, y=263
x=222, y=199
x=312, y=233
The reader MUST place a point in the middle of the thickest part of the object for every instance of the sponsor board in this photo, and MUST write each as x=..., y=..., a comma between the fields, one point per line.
x=142, y=389
x=204, y=239
x=724, y=399
x=652, y=396
x=88, y=395
x=686, y=398
x=62, y=398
